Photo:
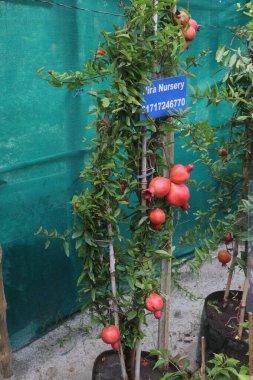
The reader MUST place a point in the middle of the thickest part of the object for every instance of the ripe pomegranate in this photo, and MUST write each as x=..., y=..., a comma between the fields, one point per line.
x=180, y=173
x=183, y=17
x=228, y=238
x=77, y=206
x=50, y=72
x=156, y=227
x=159, y=187
x=222, y=152
x=110, y=334
x=154, y=302
x=194, y=24
x=157, y=216
x=178, y=195
x=224, y=257
x=189, y=33
x=144, y=363
x=116, y=346
x=158, y=314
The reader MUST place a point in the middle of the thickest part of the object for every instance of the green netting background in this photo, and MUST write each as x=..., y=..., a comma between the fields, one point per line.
x=41, y=145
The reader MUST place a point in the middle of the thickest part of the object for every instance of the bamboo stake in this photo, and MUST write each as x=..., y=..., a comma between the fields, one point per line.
x=114, y=301
x=250, y=344
x=231, y=272
x=243, y=307
x=163, y=333
x=203, y=359
x=143, y=202
x=5, y=350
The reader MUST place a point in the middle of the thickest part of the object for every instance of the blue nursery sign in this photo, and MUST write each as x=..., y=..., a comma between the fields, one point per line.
x=165, y=95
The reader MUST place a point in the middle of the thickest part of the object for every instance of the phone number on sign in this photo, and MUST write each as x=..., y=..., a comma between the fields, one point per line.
x=164, y=105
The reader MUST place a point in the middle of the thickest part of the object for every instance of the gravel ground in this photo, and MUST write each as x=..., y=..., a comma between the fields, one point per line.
x=69, y=351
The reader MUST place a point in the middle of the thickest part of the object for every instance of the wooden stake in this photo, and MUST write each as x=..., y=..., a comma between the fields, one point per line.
x=163, y=333
x=137, y=372
x=5, y=350
x=203, y=359
x=231, y=272
x=250, y=344
x=114, y=301
x=243, y=307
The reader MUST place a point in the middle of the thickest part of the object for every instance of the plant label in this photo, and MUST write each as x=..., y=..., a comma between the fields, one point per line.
x=164, y=96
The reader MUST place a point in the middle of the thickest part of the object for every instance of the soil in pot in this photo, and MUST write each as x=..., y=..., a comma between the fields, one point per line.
x=220, y=326
x=107, y=367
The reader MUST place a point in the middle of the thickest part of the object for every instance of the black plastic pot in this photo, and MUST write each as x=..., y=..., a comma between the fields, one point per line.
x=107, y=367
x=216, y=337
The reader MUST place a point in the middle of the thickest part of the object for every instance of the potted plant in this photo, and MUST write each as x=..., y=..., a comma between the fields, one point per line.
x=227, y=152
x=124, y=217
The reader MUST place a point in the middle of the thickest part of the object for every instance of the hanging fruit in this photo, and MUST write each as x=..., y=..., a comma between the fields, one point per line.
x=183, y=17
x=224, y=257
x=228, y=238
x=158, y=314
x=154, y=302
x=116, y=346
x=222, y=152
x=179, y=195
x=157, y=216
x=189, y=33
x=180, y=173
x=159, y=187
x=110, y=334
x=194, y=24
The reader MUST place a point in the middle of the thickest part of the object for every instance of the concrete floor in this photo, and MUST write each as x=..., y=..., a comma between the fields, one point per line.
x=68, y=352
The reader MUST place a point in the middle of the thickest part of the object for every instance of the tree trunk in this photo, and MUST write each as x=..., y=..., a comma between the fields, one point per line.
x=5, y=350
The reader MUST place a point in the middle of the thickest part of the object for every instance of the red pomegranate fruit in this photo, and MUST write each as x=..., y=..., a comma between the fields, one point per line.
x=156, y=227
x=183, y=17
x=227, y=237
x=178, y=195
x=158, y=314
x=157, y=216
x=222, y=152
x=116, y=346
x=159, y=187
x=194, y=24
x=110, y=334
x=189, y=33
x=154, y=302
x=180, y=173
x=224, y=257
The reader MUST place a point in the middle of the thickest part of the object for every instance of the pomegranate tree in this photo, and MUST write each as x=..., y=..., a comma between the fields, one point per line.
x=119, y=273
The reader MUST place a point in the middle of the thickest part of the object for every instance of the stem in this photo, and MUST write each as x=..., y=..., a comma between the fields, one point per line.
x=163, y=333
x=231, y=272
x=5, y=350
x=243, y=307
x=203, y=359
x=114, y=300
x=250, y=344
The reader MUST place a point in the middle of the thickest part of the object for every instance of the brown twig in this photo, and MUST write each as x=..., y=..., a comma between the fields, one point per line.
x=203, y=359
x=243, y=307
x=5, y=350
x=250, y=344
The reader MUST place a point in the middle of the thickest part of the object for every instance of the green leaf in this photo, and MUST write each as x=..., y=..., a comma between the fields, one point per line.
x=66, y=248
x=131, y=315
x=41, y=69
x=105, y=102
